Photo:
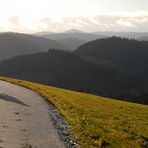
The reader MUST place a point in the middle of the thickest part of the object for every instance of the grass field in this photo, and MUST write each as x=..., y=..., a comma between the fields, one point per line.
x=96, y=121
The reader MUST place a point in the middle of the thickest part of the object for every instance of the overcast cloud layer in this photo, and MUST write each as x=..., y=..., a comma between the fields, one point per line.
x=86, y=15
x=88, y=24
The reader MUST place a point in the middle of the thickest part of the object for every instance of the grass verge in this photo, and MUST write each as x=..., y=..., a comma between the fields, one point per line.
x=97, y=121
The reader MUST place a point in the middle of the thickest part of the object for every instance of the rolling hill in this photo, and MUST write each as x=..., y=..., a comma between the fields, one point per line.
x=72, y=39
x=68, y=70
x=14, y=44
x=78, y=35
x=130, y=55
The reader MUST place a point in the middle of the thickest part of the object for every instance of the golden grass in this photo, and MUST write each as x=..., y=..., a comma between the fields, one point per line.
x=97, y=121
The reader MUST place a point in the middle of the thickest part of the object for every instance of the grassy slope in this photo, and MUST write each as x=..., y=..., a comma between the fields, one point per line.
x=96, y=121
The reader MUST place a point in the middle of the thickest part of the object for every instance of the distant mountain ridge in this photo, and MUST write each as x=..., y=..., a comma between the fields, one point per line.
x=78, y=35
x=143, y=38
x=73, y=31
x=71, y=43
x=130, y=35
x=72, y=38
x=14, y=44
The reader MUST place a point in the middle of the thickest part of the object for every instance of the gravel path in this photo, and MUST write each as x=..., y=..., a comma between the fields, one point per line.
x=24, y=119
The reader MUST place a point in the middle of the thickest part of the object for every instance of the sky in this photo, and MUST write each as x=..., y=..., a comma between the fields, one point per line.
x=30, y=16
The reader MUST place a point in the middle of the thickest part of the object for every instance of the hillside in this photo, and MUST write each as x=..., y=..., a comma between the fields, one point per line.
x=42, y=42
x=130, y=55
x=130, y=35
x=96, y=121
x=78, y=35
x=67, y=70
x=13, y=44
x=71, y=43
x=143, y=38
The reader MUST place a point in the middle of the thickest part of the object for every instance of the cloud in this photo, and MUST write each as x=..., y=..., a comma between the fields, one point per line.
x=127, y=22
x=99, y=23
x=14, y=20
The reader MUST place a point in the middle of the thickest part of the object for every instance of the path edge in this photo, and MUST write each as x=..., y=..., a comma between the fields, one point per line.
x=60, y=124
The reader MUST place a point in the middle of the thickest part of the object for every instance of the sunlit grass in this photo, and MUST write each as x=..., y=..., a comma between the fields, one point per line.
x=96, y=121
